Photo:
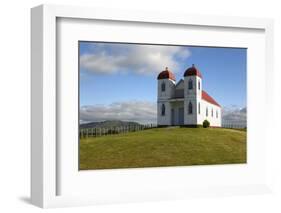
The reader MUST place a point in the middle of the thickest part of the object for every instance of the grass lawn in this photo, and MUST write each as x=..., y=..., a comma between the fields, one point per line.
x=164, y=147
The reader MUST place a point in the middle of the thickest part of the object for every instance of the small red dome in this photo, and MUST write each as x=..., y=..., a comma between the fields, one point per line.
x=166, y=74
x=192, y=71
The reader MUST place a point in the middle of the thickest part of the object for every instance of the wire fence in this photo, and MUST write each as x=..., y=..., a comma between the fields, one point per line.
x=234, y=125
x=102, y=131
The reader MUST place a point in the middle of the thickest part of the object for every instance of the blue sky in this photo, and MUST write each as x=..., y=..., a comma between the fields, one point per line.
x=115, y=74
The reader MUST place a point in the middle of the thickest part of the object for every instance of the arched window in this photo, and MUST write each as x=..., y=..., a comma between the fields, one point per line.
x=199, y=107
x=199, y=85
x=163, y=87
x=190, y=84
x=163, y=109
x=190, y=108
x=207, y=111
x=212, y=112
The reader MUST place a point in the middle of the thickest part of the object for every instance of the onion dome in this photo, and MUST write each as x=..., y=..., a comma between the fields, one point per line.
x=166, y=74
x=192, y=71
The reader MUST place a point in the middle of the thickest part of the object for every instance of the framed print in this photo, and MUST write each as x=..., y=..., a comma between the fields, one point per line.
x=130, y=106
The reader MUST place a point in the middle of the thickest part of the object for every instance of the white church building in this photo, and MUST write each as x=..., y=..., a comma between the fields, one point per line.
x=185, y=103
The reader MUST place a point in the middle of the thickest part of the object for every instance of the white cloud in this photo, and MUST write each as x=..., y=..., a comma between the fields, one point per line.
x=138, y=111
x=142, y=59
x=234, y=115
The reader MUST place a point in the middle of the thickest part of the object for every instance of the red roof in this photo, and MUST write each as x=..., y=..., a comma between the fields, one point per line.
x=208, y=98
x=166, y=74
x=192, y=71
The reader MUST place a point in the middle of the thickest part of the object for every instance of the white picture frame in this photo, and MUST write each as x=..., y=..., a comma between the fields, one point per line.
x=45, y=178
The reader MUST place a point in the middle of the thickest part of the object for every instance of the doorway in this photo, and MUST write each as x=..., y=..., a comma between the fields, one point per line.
x=181, y=116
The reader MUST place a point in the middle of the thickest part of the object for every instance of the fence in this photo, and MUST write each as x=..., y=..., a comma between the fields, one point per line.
x=234, y=125
x=102, y=131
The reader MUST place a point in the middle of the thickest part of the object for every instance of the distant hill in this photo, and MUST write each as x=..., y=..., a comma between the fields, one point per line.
x=108, y=124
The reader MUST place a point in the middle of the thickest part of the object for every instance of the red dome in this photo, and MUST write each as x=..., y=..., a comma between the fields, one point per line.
x=166, y=74
x=192, y=71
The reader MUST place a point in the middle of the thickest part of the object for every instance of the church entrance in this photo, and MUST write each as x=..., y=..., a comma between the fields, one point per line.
x=177, y=113
x=177, y=116
x=181, y=116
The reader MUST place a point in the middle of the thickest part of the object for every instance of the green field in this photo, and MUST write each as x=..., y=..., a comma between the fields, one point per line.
x=164, y=147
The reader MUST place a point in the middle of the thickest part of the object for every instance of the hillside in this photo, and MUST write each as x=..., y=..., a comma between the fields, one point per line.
x=108, y=124
x=164, y=147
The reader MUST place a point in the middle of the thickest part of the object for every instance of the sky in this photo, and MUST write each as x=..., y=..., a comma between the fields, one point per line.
x=119, y=80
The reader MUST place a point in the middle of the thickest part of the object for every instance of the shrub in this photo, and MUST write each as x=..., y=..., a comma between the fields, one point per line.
x=206, y=123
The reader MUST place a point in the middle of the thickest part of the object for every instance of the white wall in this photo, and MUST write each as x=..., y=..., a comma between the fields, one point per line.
x=163, y=97
x=192, y=95
x=169, y=89
x=15, y=111
x=164, y=119
x=214, y=121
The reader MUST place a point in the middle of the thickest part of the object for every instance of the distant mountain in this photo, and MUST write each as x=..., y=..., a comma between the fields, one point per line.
x=108, y=124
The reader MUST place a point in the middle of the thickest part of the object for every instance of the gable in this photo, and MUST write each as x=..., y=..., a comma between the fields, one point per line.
x=180, y=85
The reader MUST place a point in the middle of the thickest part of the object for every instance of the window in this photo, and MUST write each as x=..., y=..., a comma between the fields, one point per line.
x=163, y=87
x=190, y=84
x=199, y=85
x=212, y=112
x=207, y=111
x=198, y=107
x=217, y=113
x=163, y=109
x=190, y=108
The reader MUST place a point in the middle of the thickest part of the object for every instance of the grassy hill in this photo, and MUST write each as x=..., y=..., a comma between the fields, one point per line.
x=164, y=147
